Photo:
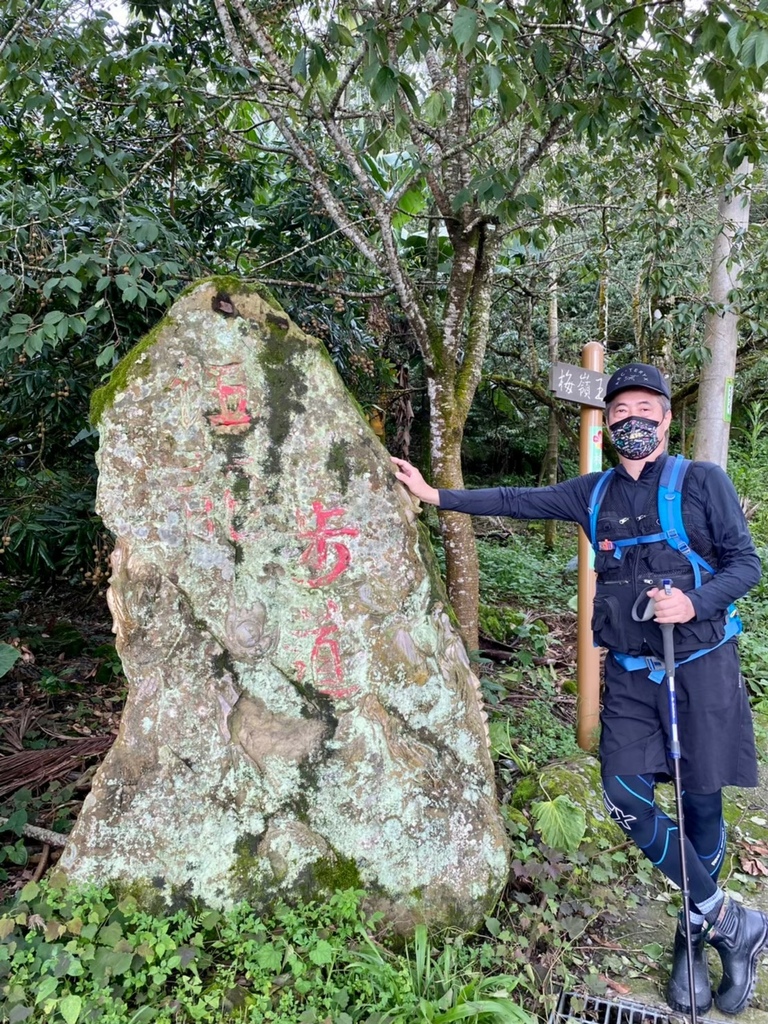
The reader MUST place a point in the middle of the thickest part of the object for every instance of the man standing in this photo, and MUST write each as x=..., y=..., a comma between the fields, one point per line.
x=633, y=555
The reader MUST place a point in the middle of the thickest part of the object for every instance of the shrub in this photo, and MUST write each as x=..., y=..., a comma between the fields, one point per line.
x=83, y=955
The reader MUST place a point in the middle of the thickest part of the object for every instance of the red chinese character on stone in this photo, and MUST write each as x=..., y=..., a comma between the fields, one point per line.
x=325, y=659
x=232, y=395
x=324, y=552
x=201, y=512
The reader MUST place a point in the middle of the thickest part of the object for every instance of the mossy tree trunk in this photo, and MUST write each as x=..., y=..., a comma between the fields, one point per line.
x=454, y=365
x=713, y=413
x=553, y=431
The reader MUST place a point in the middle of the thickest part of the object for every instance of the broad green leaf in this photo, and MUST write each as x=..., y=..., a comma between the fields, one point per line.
x=542, y=58
x=492, y=75
x=464, y=29
x=634, y=19
x=46, y=988
x=734, y=37
x=498, y=1009
x=654, y=950
x=433, y=108
x=747, y=54
x=321, y=953
x=761, y=49
x=299, y=69
x=384, y=85
x=562, y=823
x=269, y=957
x=8, y=658
x=70, y=1007
x=30, y=891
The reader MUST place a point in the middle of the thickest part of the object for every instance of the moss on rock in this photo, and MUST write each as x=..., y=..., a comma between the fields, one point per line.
x=135, y=363
x=340, y=872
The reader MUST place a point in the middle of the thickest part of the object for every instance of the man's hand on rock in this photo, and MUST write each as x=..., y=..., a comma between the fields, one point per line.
x=415, y=482
x=675, y=606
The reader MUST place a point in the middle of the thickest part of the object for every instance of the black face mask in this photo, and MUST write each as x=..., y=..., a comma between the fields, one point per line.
x=635, y=437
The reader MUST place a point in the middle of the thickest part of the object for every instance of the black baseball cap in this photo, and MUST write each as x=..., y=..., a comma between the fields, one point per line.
x=637, y=375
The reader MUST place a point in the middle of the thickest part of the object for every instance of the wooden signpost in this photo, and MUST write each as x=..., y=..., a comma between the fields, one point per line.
x=585, y=384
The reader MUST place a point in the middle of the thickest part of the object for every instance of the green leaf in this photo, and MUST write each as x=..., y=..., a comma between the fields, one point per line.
x=654, y=950
x=464, y=29
x=19, y=1013
x=633, y=20
x=492, y=75
x=542, y=58
x=338, y=33
x=70, y=1007
x=505, y=406
x=299, y=69
x=562, y=823
x=322, y=953
x=433, y=108
x=409, y=91
x=761, y=49
x=46, y=988
x=384, y=85
x=8, y=658
x=30, y=890
x=269, y=957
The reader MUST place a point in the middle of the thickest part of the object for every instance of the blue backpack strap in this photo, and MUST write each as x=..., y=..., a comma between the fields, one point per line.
x=671, y=514
x=595, y=499
x=656, y=670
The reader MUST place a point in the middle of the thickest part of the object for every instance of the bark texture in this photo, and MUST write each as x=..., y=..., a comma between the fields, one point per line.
x=721, y=325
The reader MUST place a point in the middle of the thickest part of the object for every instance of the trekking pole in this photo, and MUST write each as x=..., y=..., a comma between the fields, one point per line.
x=668, y=638
x=667, y=633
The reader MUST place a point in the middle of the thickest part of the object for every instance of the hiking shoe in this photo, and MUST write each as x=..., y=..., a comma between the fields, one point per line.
x=739, y=935
x=678, y=990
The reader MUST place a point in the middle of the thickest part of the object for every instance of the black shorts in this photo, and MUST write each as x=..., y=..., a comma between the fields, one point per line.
x=717, y=741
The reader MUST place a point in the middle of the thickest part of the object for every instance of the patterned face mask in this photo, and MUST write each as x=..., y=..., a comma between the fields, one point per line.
x=635, y=437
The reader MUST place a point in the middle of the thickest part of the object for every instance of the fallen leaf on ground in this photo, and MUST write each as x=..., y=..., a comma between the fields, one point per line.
x=622, y=990
x=753, y=866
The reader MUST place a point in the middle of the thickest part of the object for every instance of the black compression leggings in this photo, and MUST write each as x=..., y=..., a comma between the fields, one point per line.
x=630, y=801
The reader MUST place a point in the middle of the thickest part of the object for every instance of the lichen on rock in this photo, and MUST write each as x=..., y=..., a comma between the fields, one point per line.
x=300, y=707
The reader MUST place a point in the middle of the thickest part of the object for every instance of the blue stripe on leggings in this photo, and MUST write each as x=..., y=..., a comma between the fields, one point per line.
x=666, y=846
x=642, y=798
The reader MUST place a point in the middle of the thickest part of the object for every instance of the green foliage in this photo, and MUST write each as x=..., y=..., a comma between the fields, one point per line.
x=50, y=526
x=515, y=627
x=520, y=571
x=90, y=955
x=548, y=736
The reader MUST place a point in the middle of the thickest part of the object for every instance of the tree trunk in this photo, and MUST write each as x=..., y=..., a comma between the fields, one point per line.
x=602, y=287
x=462, y=573
x=713, y=414
x=553, y=433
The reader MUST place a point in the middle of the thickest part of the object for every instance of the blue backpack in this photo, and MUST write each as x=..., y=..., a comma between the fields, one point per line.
x=670, y=508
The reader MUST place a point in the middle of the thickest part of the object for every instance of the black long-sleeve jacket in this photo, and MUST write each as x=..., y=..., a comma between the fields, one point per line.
x=708, y=488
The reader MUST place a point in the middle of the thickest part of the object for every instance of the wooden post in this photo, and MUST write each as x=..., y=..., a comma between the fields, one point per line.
x=588, y=664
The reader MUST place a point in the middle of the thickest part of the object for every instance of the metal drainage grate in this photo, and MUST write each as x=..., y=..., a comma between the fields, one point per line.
x=578, y=1008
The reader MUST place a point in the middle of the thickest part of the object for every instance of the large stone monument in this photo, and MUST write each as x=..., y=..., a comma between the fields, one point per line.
x=301, y=714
